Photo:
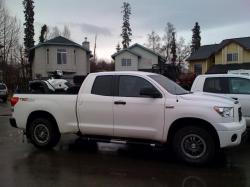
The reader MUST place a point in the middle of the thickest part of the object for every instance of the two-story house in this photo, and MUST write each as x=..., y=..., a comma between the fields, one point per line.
x=60, y=54
x=137, y=58
x=230, y=54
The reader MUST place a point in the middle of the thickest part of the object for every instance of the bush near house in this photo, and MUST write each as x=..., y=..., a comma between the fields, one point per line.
x=186, y=80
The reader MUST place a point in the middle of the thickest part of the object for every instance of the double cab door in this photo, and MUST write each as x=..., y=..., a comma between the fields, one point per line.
x=116, y=108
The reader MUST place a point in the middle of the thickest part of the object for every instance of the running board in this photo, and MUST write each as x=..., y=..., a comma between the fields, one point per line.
x=121, y=140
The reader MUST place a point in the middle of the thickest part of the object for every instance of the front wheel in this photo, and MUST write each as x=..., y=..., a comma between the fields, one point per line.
x=43, y=133
x=194, y=145
x=4, y=99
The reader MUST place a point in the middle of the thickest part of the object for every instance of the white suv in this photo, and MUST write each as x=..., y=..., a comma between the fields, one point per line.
x=229, y=85
x=3, y=92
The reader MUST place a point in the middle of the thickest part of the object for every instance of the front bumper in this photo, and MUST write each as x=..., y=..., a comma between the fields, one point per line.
x=233, y=134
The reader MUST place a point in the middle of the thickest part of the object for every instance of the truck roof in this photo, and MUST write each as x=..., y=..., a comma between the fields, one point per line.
x=124, y=73
x=225, y=75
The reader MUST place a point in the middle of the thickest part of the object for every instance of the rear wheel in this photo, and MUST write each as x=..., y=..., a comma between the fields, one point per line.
x=43, y=133
x=194, y=145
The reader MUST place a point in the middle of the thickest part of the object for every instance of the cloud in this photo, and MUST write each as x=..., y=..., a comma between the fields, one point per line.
x=92, y=29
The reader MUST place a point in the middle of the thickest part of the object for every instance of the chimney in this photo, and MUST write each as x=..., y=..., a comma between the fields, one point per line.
x=86, y=43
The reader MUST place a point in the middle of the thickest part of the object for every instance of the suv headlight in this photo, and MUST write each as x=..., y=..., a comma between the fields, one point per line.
x=225, y=111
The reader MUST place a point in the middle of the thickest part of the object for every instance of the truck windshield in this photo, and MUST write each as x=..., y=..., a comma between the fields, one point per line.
x=169, y=85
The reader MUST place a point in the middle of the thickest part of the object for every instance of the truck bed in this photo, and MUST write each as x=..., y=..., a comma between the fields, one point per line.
x=61, y=106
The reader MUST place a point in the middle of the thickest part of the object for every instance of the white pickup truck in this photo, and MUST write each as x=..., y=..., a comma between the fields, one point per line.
x=232, y=86
x=133, y=107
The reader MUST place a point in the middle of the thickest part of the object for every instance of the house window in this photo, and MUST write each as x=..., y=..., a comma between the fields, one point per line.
x=61, y=56
x=198, y=69
x=126, y=62
x=231, y=57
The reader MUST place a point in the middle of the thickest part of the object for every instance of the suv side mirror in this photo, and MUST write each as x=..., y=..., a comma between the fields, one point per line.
x=150, y=92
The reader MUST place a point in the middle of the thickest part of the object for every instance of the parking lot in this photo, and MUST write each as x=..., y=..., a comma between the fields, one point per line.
x=77, y=163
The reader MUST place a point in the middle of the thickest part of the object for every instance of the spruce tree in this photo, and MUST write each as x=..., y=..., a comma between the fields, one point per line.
x=29, y=24
x=196, y=38
x=126, y=29
x=173, y=49
x=29, y=30
x=44, y=29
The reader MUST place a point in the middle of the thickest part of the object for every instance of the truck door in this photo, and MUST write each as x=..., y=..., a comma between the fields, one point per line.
x=95, y=110
x=137, y=116
x=239, y=89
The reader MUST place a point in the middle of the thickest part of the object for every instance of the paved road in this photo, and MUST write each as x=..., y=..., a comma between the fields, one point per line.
x=5, y=109
x=77, y=163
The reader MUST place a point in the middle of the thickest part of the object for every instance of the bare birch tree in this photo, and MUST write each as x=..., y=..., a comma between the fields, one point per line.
x=66, y=32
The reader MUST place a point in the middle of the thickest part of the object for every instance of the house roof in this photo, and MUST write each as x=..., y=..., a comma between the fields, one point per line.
x=204, y=52
x=140, y=46
x=244, y=42
x=60, y=41
x=128, y=50
x=207, y=51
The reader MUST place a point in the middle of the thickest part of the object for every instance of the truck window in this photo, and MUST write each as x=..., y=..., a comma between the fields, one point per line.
x=103, y=85
x=239, y=86
x=169, y=85
x=216, y=85
x=130, y=86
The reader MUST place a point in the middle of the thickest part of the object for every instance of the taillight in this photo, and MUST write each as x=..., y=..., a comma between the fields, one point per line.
x=14, y=101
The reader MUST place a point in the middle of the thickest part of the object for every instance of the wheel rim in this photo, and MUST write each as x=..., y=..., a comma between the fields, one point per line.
x=193, y=146
x=41, y=133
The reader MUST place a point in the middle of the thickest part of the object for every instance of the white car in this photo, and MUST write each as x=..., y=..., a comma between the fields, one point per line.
x=133, y=107
x=229, y=85
x=3, y=92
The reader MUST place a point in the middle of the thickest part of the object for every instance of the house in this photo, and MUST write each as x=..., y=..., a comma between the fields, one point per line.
x=137, y=58
x=230, y=54
x=60, y=54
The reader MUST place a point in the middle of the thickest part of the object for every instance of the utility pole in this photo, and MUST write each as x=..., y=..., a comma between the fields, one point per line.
x=95, y=48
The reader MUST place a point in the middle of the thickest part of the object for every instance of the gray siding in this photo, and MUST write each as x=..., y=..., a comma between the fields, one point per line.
x=77, y=63
x=147, y=59
x=127, y=55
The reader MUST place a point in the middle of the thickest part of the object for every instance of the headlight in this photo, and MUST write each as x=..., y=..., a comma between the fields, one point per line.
x=225, y=111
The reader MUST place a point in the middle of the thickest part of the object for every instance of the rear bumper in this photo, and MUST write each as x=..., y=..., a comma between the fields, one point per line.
x=13, y=122
x=234, y=134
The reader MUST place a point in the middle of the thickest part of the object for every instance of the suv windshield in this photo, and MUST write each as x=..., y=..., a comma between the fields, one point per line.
x=2, y=87
x=169, y=85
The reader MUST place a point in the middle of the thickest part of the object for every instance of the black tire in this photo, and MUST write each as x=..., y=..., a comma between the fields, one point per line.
x=194, y=145
x=43, y=133
x=4, y=99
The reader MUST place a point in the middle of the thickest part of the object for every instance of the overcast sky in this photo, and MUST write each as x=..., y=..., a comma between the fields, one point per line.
x=219, y=19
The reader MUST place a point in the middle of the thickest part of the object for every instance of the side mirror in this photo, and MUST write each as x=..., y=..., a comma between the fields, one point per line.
x=150, y=92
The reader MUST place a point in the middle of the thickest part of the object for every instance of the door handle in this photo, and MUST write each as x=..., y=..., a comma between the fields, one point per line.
x=235, y=98
x=169, y=106
x=120, y=103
